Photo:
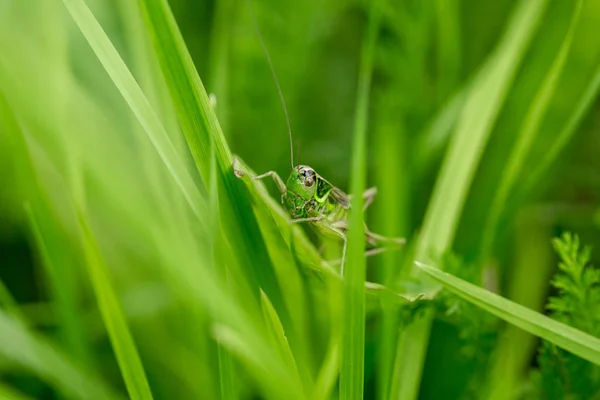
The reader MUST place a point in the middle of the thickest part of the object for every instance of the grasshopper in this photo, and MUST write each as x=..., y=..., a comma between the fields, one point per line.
x=308, y=197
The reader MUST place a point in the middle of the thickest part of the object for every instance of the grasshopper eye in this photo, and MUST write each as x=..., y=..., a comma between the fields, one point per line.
x=309, y=181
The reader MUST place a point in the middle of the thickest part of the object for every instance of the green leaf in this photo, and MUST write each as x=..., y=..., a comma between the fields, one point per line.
x=114, y=318
x=354, y=273
x=529, y=130
x=137, y=101
x=7, y=393
x=202, y=131
x=276, y=382
x=277, y=332
x=564, y=336
x=480, y=109
x=47, y=362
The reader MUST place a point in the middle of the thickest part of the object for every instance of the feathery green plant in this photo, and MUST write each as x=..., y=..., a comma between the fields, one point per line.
x=561, y=374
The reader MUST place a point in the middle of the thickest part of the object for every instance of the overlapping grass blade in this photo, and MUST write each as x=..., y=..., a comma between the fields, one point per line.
x=114, y=318
x=8, y=303
x=63, y=290
x=570, y=339
x=479, y=113
x=199, y=137
x=136, y=100
x=277, y=333
x=54, y=258
x=228, y=382
x=527, y=135
x=566, y=134
x=200, y=127
x=275, y=383
x=327, y=376
x=49, y=364
x=7, y=393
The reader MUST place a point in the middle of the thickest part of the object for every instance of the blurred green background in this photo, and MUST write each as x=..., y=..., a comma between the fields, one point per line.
x=82, y=140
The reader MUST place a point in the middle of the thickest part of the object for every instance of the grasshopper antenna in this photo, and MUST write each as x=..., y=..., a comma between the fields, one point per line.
x=262, y=43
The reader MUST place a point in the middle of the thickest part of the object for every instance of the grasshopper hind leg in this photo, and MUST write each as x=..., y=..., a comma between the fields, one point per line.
x=377, y=240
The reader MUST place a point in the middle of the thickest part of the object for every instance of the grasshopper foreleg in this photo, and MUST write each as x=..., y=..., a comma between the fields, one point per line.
x=278, y=181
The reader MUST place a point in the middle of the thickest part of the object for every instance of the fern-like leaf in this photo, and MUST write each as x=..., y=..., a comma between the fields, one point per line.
x=562, y=374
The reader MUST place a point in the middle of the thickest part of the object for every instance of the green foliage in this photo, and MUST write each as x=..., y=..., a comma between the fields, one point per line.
x=578, y=284
x=474, y=325
x=562, y=374
x=133, y=263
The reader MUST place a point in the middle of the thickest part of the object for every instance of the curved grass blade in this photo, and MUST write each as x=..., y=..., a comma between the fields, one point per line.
x=7, y=393
x=275, y=382
x=200, y=126
x=564, y=137
x=114, y=318
x=277, y=332
x=54, y=262
x=480, y=110
x=137, y=101
x=227, y=380
x=577, y=342
x=43, y=359
x=529, y=131
x=8, y=303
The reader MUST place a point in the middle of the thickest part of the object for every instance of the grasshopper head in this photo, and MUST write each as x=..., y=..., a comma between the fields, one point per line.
x=303, y=181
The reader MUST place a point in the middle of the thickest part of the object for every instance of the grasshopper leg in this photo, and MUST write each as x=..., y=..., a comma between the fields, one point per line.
x=339, y=231
x=368, y=195
x=310, y=219
x=368, y=253
x=375, y=239
x=278, y=181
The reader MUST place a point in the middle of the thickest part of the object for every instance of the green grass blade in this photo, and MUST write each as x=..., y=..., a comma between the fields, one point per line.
x=479, y=113
x=63, y=291
x=200, y=127
x=528, y=287
x=114, y=318
x=136, y=100
x=564, y=336
x=43, y=359
x=8, y=303
x=54, y=259
x=480, y=110
x=7, y=393
x=328, y=373
x=276, y=383
x=527, y=135
x=277, y=332
x=227, y=379
x=353, y=314
x=564, y=137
